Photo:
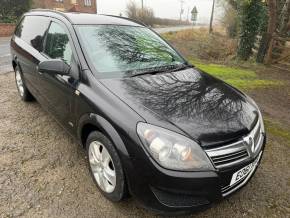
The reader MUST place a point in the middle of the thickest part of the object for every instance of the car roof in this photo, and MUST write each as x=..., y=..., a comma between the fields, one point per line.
x=77, y=18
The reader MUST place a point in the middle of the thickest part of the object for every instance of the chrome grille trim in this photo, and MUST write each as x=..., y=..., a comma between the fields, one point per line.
x=234, y=153
x=220, y=158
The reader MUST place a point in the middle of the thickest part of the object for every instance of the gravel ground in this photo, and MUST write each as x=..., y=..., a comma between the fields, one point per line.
x=43, y=172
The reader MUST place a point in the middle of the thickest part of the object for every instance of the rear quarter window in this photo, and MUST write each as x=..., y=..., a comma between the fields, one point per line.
x=32, y=29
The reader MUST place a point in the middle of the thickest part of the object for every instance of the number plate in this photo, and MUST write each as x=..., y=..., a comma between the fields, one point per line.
x=242, y=173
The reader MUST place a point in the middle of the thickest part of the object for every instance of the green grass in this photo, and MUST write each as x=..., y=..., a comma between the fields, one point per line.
x=237, y=77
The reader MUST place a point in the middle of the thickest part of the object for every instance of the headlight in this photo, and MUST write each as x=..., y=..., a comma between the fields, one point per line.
x=172, y=150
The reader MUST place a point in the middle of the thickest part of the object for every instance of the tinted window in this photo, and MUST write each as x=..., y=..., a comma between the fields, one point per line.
x=123, y=50
x=32, y=29
x=57, y=44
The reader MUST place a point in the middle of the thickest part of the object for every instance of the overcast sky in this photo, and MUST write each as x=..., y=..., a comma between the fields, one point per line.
x=162, y=8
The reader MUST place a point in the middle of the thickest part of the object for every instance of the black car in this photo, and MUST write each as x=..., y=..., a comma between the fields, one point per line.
x=154, y=126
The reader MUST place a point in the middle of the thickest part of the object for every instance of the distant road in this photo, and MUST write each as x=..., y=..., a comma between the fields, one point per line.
x=174, y=28
x=5, y=59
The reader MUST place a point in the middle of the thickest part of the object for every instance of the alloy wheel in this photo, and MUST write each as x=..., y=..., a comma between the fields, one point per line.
x=102, y=166
x=19, y=82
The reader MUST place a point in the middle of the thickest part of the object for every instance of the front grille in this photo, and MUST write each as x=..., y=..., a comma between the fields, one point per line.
x=230, y=158
x=237, y=152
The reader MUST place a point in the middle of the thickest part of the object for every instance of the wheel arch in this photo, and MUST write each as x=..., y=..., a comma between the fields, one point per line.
x=14, y=64
x=93, y=122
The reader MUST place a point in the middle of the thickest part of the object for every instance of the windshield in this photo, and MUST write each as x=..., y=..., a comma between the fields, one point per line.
x=120, y=51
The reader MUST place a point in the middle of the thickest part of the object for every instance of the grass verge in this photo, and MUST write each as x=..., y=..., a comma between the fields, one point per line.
x=237, y=77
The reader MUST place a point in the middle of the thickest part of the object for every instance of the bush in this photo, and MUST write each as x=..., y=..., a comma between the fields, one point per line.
x=197, y=43
x=11, y=10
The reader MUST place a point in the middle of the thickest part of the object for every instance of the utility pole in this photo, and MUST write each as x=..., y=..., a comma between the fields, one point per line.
x=142, y=8
x=188, y=14
x=181, y=9
x=211, y=17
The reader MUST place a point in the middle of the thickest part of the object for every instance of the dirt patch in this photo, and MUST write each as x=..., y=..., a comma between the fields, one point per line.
x=274, y=101
x=43, y=172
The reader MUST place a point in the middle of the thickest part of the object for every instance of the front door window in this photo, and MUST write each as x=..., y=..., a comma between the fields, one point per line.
x=57, y=44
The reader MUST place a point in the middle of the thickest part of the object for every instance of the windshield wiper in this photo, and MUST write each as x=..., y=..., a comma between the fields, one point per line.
x=167, y=69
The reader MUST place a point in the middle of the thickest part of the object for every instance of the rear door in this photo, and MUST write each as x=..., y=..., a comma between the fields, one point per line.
x=59, y=90
x=27, y=45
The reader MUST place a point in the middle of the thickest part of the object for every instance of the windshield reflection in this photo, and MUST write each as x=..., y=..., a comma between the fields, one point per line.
x=123, y=50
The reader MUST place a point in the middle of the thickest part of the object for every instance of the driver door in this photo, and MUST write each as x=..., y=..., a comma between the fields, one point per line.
x=58, y=90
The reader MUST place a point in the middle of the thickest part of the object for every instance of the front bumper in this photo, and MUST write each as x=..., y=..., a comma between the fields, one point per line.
x=167, y=191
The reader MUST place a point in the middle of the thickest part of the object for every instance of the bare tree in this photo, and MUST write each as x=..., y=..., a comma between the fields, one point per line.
x=230, y=19
x=272, y=25
x=132, y=10
x=211, y=17
x=284, y=18
x=145, y=14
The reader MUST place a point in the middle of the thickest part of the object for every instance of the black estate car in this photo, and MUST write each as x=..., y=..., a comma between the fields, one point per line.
x=154, y=126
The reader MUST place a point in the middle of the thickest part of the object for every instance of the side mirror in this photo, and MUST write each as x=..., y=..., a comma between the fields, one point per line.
x=55, y=66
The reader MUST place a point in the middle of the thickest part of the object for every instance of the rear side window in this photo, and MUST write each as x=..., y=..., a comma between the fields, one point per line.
x=32, y=30
x=57, y=44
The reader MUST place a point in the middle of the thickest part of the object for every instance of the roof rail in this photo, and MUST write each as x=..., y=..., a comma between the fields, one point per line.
x=50, y=10
x=126, y=18
x=64, y=15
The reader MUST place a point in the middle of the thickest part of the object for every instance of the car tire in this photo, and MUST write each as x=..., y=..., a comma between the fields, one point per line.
x=99, y=148
x=24, y=93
